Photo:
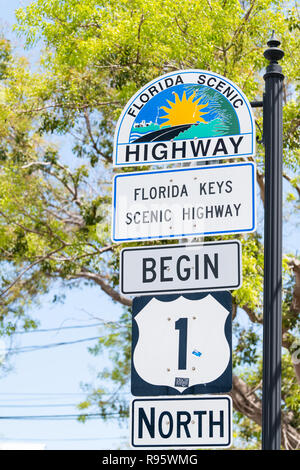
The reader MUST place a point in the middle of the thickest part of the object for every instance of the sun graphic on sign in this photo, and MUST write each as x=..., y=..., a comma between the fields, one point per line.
x=184, y=111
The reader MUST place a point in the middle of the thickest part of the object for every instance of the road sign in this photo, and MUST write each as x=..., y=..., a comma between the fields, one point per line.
x=197, y=267
x=182, y=422
x=182, y=116
x=181, y=344
x=184, y=202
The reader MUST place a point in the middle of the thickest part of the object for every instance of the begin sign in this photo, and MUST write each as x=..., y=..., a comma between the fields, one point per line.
x=181, y=268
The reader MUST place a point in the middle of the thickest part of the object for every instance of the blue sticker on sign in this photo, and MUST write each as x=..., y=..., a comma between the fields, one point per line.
x=197, y=353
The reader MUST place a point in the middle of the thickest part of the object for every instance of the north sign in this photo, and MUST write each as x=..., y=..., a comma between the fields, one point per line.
x=183, y=116
x=182, y=422
x=185, y=202
x=196, y=267
x=181, y=344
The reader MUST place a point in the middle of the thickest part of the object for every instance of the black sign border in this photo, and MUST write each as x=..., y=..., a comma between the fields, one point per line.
x=223, y=384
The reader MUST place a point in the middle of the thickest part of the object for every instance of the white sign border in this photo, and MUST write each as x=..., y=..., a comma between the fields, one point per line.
x=187, y=290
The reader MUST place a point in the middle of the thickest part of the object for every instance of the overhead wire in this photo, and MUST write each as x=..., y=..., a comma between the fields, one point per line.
x=33, y=348
x=43, y=405
x=36, y=395
x=59, y=328
x=62, y=439
x=20, y=399
x=61, y=417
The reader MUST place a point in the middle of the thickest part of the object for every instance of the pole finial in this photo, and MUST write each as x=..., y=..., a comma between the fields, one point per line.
x=273, y=53
x=273, y=41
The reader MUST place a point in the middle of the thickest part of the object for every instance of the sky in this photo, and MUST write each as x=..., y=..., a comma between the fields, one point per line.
x=47, y=382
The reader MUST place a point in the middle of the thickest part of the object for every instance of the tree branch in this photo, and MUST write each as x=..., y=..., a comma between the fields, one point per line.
x=89, y=129
x=289, y=179
x=21, y=274
x=98, y=279
x=68, y=106
x=240, y=27
x=246, y=402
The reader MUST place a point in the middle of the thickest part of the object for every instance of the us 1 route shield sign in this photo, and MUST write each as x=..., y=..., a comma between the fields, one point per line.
x=182, y=422
x=181, y=344
x=196, y=267
x=184, y=202
x=182, y=116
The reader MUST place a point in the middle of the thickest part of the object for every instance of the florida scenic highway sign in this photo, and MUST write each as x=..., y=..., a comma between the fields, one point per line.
x=195, y=267
x=182, y=116
x=181, y=422
x=181, y=344
x=184, y=202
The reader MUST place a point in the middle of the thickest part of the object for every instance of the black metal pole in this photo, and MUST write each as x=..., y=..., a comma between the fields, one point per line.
x=271, y=400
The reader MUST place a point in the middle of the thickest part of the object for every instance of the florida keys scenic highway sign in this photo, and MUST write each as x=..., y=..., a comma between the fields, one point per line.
x=201, y=200
x=183, y=116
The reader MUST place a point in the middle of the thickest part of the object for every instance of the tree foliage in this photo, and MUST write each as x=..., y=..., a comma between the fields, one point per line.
x=54, y=208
